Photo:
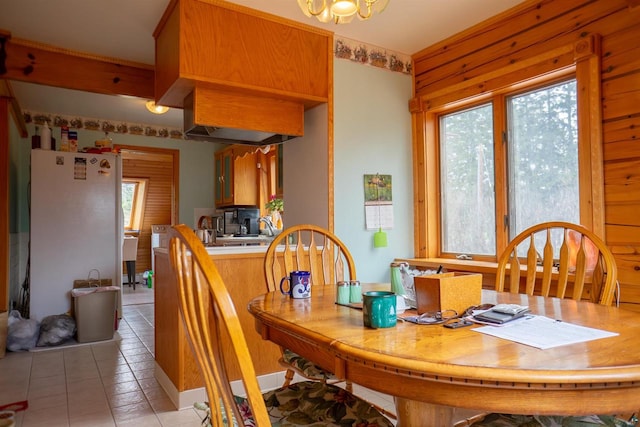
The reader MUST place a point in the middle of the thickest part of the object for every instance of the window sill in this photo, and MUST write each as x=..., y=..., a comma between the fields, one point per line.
x=486, y=268
x=450, y=264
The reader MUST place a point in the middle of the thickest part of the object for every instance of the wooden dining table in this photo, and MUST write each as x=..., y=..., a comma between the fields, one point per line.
x=431, y=370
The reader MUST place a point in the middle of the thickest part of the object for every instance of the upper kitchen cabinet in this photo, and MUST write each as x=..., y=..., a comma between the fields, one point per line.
x=242, y=68
x=236, y=177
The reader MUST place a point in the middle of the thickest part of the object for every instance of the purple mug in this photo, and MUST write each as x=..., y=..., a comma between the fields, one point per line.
x=299, y=284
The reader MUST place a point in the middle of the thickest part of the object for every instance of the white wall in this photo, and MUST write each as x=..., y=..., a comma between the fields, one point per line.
x=372, y=134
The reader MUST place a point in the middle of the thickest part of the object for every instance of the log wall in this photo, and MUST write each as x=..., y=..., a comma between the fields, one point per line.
x=535, y=28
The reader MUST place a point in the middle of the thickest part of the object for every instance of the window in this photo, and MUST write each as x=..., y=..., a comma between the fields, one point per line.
x=133, y=198
x=467, y=177
x=545, y=115
x=543, y=157
x=536, y=139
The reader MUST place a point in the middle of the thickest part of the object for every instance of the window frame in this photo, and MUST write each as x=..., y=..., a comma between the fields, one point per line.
x=499, y=104
x=580, y=60
x=138, y=204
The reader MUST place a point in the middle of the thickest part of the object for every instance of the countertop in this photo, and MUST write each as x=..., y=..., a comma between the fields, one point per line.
x=232, y=248
x=243, y=241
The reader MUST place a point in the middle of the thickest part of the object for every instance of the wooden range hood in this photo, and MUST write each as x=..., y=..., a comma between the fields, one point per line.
x=236, y=71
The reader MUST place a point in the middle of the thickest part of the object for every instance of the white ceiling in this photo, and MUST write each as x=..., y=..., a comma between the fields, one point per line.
x=124, y=29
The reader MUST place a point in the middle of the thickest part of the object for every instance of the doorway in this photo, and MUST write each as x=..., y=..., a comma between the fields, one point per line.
x=159, y=168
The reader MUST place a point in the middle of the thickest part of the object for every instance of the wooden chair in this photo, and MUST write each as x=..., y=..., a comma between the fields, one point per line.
x=310, y=248
x=208, y=314
x=317, y=250
x=129, y=256
x=558, y=259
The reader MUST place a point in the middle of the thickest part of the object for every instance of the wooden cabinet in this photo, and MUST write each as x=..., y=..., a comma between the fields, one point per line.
x=236, y=177
x=223, y=166
x=243, y=274
x=240, y=50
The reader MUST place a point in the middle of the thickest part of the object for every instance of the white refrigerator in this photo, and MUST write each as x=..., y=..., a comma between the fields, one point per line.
x=75, y=225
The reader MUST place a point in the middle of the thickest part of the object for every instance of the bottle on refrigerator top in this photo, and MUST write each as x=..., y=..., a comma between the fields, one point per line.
x=64, y=138
x=45, y=137
x=73, y=141
x=35, y=139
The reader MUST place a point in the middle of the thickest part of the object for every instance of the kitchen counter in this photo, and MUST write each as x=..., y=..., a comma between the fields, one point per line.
x=242, y=269
x=242, y=241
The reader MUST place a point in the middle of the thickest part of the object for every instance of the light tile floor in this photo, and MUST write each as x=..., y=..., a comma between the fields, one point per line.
x=103, y=384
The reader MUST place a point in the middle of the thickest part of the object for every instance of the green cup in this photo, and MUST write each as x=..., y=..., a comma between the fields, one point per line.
x=379, y=309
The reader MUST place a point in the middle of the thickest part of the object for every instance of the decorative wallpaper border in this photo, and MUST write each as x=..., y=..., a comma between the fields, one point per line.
x=375, y=56
x=56, y=120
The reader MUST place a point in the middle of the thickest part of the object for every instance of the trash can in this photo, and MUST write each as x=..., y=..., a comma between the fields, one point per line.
x=95, y=312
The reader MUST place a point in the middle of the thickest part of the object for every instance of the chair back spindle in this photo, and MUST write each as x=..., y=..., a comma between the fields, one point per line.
x=316, y=250
x=576, y=258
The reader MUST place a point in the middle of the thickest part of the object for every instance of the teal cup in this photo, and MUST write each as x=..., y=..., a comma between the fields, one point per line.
x=379, y=309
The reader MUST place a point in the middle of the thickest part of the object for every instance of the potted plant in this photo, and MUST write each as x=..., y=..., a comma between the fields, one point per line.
x=275, y=207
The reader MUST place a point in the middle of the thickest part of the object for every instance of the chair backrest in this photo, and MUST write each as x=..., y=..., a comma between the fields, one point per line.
x=208, y=314
x=129, y=248
x=310, y=248
x=558, y=256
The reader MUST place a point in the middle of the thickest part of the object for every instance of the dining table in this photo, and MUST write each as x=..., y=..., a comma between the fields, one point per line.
x=431, y=370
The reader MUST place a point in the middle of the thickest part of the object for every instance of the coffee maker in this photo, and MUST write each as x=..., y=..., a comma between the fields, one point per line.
x=242, y=221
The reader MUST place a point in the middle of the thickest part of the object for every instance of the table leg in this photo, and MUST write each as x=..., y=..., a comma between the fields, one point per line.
x=415, y=413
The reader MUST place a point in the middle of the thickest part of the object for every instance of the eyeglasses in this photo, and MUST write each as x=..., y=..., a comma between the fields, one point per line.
x=445, y=316
x=432, y=318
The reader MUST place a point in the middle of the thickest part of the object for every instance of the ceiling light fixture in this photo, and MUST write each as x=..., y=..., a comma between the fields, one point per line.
x=341, y=11
x=156, y=109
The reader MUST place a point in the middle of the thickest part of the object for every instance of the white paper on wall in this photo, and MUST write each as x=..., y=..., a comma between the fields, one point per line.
x=379, y=216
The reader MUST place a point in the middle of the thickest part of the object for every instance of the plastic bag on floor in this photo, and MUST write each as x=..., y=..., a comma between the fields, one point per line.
x=22, y=333
x=56, y=330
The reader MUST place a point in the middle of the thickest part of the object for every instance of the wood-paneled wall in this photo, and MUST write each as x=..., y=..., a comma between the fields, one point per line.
x=535, y=28
x=158, y=169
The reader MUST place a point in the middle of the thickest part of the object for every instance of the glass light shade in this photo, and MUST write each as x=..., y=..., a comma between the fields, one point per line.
x=379, y=6
x=344, y=19
x=156, y=109
x=371, y=7
x=341, y=11
x=344, y=7
x=325, y=16
x=305, y=7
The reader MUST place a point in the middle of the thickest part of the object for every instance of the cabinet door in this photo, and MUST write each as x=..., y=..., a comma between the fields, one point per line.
x=236, y=177
x=227, y=178
x=245, y=179
x=218, y=185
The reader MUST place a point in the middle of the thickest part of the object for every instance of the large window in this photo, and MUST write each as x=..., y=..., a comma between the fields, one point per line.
x=510, y=163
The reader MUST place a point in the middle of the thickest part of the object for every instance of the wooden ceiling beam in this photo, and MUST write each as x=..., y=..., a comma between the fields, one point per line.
x=52, y=66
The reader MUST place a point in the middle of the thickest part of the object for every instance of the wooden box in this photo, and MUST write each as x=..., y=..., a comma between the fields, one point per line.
x=447, y=291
